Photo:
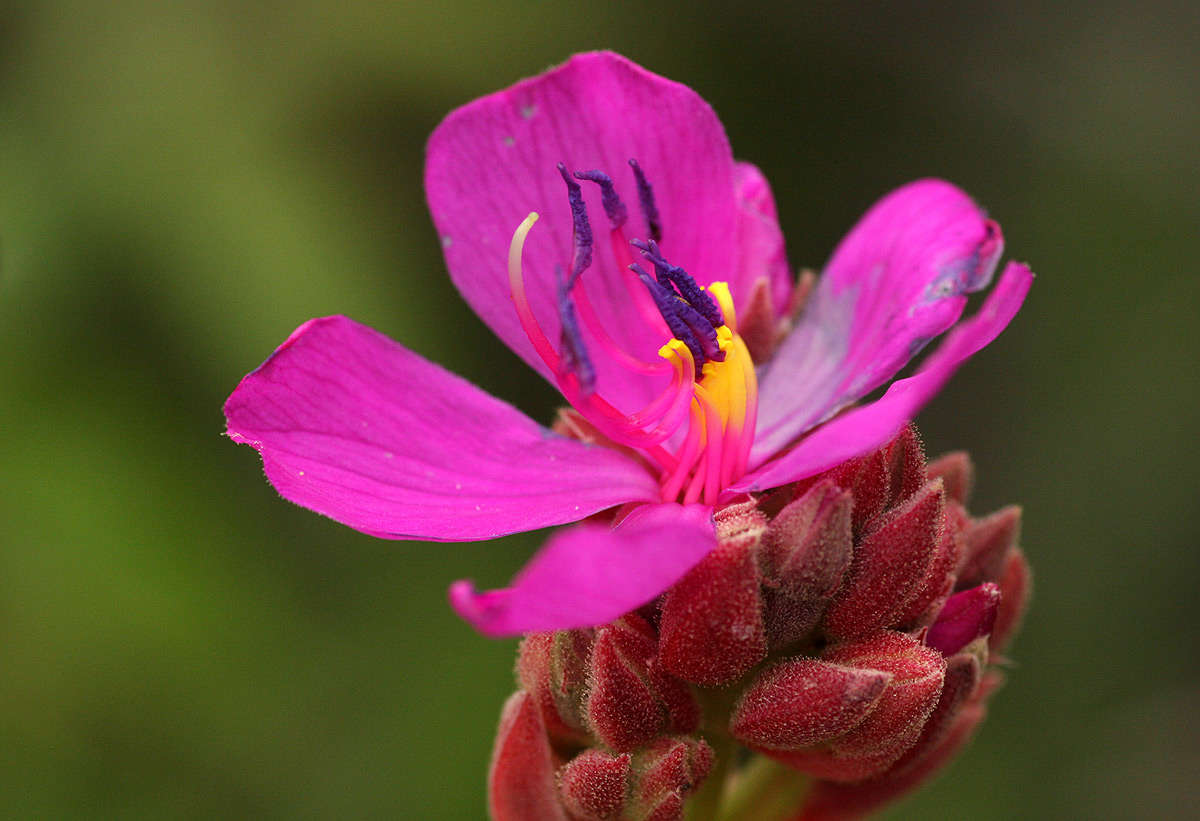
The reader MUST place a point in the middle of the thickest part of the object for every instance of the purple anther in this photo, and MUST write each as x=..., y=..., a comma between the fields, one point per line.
x=582, y=235
x=703, y=330
x=646, y=198
x=574, y=353
x=613, y=207
x=692, y=293
x=670, y=306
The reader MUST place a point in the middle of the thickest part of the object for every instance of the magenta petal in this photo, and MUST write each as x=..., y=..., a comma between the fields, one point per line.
x=592, y=574
x=493, y=161
x=357, y=427
x=865, y=428
x=965, y=617
x=761, y=250
x=895, y=282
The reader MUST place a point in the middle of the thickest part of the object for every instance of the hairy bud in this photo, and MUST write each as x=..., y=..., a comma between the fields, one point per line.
x=843, y=626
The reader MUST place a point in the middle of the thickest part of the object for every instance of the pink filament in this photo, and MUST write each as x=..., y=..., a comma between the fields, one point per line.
x=596, y=327
x=637, y=291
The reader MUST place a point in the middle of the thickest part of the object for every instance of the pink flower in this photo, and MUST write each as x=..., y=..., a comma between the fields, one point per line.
x=655, y=259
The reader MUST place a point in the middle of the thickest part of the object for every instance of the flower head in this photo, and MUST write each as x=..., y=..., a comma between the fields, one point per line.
x=668, y=326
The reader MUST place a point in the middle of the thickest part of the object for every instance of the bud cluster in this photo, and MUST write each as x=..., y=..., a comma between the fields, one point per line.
x=846, y=626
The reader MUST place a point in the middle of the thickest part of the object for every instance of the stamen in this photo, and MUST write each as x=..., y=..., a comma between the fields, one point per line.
x=643, y=301
x=692, y=293
x=669, y=306
x=688, y=454
x=751, y=418
x=582, y=229
x=596, y=327
x=613, y=207
x=646, y=198
x=684, y=321
x=516, y=288
x=712, y=468
x=575, y=357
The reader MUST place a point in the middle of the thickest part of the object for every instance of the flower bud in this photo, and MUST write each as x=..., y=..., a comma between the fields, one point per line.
x=552, y=667
x=870, y=480
x=669, y=770
x=906, y=464
x=966, y=616
x=802, y=702
x=951, y=723
x=1016, y=583
x=595, y=785
x=957, y=474
x=895, y=723
x=623, y=710
x=803, y=556
x=938, y=583
x=712, y=630
x=521, y=776
x=988, y=542
x=889, y=564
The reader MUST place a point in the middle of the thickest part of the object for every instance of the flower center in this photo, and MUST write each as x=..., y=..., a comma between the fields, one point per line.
x=697, y=432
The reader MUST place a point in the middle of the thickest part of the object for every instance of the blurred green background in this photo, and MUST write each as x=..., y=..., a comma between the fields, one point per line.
x=182, y=184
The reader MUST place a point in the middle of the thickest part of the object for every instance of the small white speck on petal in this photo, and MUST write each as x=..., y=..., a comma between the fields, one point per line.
x=508, y=142
x=458, y=485
x=300, y=473
x=528, y=111
x=447, y=241
x=389, y=455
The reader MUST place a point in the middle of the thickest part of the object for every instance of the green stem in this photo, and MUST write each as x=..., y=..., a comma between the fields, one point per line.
x=716, y=706
x=705, y=804
x=763, y=790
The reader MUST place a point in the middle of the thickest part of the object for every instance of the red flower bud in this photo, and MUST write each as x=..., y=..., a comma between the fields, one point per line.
x=670, y=808
x=802, y=702
x=623, y=709
x=711, y=631
x=889, y=565
x=895, y=723
x=552, y=667
x=595, y=785
x=988, y=541
x=957, y=474
x=938, y=584
x=803, y=556
x=521, y=775
x=965, y=617
x=1016, y=583
x=870, y=480
x=906, y=463
x=671, y=768
x=959, y=710
x=683, y=712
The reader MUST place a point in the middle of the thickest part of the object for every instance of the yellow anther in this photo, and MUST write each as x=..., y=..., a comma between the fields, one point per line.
x=720, y=292
x=674, y=349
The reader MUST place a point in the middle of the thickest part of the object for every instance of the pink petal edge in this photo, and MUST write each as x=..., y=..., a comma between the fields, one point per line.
x=895, y=282
x=592, y=574
x=355, y=426
x=865, y=428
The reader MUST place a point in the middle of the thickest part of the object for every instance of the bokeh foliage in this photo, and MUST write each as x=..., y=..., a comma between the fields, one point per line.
x=181, y=184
